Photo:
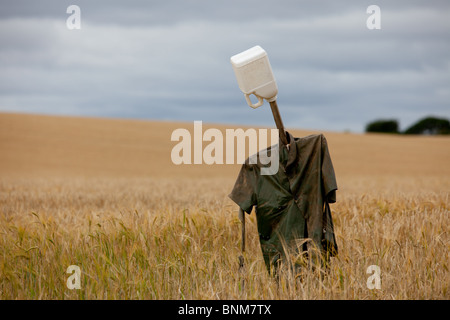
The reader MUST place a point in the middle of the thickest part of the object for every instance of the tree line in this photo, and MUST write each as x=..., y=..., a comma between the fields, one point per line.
x=428, y=125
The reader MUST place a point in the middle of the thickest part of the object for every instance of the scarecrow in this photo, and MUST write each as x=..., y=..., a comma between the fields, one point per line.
x=291, y=205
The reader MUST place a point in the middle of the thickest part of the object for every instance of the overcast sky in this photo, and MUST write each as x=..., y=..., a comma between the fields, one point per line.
x=170, y=60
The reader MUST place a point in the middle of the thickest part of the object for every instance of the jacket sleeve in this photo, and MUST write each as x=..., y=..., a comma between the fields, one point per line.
x=244, y=191
x=328, y=176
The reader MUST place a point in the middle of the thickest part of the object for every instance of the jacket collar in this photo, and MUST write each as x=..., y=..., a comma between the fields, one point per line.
x=291, y=150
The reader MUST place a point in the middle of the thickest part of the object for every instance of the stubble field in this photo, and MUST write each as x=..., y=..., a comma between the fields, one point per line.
x=103, y=195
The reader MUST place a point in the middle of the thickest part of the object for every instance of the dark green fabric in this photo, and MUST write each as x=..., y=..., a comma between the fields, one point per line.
x=293, y=203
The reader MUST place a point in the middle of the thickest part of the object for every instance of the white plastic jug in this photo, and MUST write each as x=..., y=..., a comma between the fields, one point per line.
x=254, y=75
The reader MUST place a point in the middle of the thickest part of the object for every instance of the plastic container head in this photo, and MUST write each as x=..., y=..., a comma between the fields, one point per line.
x=254, y=75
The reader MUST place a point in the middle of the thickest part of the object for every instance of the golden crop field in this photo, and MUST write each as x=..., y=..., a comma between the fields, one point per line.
x=103, y=195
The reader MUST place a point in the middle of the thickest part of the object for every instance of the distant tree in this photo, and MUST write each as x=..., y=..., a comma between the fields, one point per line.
x=385, y=126
x=430, y=125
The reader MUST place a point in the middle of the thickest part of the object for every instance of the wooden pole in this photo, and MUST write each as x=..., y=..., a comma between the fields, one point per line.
x=241, y=257
x=278, y=122
x=242, y=219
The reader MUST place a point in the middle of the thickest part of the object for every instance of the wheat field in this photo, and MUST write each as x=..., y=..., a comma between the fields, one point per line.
x=103, y=195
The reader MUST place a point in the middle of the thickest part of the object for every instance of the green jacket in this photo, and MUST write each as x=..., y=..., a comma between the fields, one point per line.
x=292, y=204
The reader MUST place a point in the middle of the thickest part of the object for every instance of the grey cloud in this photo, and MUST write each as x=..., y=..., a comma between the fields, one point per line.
x=170, y=60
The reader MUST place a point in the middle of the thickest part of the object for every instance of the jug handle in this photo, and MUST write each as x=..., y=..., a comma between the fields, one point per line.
x=249, y=102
